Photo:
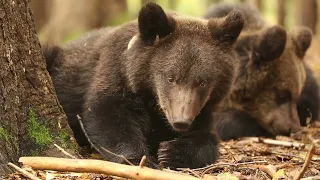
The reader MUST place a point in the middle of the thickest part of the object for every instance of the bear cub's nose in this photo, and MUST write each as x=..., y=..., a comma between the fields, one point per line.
x=182, y=124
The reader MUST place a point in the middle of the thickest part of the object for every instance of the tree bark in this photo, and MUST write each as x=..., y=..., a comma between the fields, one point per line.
x=31, y=118
x=281, y=12
x=306, y=13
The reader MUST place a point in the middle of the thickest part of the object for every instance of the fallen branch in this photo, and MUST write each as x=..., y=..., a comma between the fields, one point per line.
x=64, y=152
x=102, y=167
x=276, y=142
x=311, y=178
x=23, y=172
x=306, y=163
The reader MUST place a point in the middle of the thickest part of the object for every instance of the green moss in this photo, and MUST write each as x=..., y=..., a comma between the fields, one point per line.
x=35, y=152
x=39, y=133
x=4, y=135
x=63, y=137
x=74, y=147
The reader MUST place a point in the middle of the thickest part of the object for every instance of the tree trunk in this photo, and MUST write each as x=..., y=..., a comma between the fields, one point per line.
x=31, y=118
x=306, y=13
x=281, y=12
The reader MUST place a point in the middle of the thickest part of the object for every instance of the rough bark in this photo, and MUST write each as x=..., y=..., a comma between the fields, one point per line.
x=281, y=12
x=31, y=119
x=306, y=13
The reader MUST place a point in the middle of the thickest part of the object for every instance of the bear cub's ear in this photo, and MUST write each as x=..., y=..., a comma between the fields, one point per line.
x=228, y=28
x=153, y=21
x=270, y=44
x=302, y=37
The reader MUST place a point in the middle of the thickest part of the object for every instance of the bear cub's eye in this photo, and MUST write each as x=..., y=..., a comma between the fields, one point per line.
x=283, y=97
x=170, y=79
x=202, y=83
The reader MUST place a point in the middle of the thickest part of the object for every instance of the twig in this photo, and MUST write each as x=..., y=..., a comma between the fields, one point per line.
x=276, y=142
x=85, y=134
x=143, y=160
x=102, y=167
x=23, y=172
x=269, y=169
x=224, y=164
x=306, y=163
x=117, y=155
x=64, y=152
x=192, y=172
x=219, y=165
x=311, y=178
x=97, y=149
x=295, y=156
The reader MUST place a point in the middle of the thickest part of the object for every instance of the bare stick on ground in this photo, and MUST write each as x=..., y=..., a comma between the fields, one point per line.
x=269, y=169
x=23, y=172
x=275, y=142
x=311, y=178
x=306, y=163
x=64, y=152
x=143, y=160
x=117, y=155
x=102, y=167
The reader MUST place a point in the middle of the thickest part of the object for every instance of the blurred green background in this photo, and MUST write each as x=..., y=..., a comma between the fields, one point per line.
x=58, y=21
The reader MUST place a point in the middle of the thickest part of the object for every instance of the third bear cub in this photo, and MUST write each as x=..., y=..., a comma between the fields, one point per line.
x=270, y=78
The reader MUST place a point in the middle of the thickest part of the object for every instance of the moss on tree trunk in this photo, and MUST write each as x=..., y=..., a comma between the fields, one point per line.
x=31, y=119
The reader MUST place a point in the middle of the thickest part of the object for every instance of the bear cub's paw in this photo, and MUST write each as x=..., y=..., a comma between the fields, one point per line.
x=186, y=153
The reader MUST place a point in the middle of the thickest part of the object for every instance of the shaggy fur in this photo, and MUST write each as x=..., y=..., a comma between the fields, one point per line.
x=148, y=87
x=270, y=78
x=309, y=101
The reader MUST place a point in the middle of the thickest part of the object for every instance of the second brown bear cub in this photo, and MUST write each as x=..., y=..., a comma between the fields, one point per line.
x=148, y=87
x=270, y=78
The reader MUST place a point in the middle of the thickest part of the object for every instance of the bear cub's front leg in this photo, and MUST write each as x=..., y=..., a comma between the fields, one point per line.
x=196, y=149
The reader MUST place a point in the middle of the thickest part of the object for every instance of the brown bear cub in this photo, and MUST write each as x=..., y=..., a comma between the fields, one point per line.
x=148, y=87
x=309, y=101
x=270, y=78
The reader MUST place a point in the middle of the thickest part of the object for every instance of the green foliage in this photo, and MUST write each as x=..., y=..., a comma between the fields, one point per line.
x=37, y=132
x=63, y=137
x=4, y=135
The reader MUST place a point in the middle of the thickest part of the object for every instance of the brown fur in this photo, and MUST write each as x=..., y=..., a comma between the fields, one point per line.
x=148, y=87
x=270, y=78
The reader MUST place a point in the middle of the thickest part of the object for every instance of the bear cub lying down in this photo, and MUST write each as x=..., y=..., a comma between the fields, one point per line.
x=148, y=87
x=270, y=80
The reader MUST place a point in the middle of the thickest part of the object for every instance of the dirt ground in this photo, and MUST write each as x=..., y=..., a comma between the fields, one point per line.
x=247, y=158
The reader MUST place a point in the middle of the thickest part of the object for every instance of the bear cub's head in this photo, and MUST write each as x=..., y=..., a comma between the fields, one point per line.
x=272, y=76
x=188, y=63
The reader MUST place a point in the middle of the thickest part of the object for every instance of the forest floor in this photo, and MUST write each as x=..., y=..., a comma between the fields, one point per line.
x=248, y=158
